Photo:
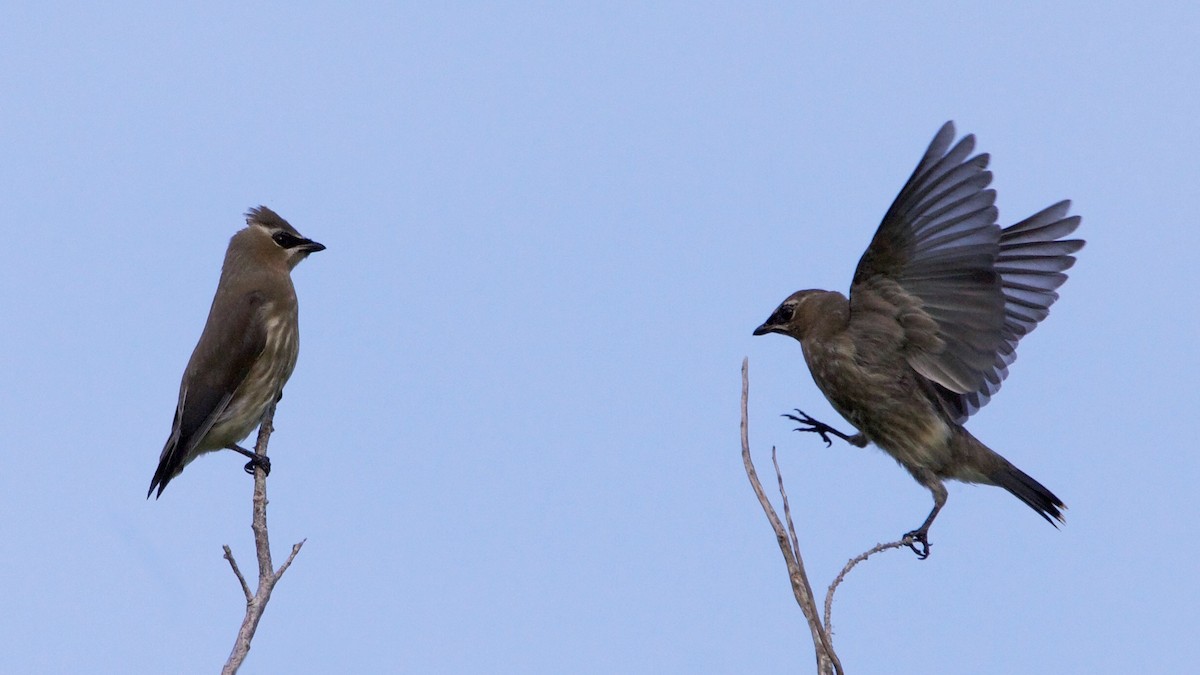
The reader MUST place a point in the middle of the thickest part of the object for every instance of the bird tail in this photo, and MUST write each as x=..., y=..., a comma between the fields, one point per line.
x=1028, y=490
x=170, y=463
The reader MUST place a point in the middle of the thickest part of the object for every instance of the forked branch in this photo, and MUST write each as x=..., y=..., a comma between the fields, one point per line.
x=827, y=660
x=268, y=576
x=789, y=545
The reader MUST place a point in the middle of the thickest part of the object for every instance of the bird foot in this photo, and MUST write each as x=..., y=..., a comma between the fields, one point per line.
x=260, y=461
x=820, y=428
x=256, y=460
x=915, y=538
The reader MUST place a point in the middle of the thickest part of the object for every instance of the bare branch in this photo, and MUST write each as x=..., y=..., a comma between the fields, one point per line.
x=288, y=563
x=256, y=604
x=827, y=660
x=262, y=544
x=241, y=579
x=787, y=509
x=878, y=548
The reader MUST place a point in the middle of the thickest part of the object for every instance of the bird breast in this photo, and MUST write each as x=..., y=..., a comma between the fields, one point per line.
x=265, y=379
x=872, y=386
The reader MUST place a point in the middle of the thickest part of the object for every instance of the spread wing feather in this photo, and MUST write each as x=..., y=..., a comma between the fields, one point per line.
x=963, y=291
x=936, y=250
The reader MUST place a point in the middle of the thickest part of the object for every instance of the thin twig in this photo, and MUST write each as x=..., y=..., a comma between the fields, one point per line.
x=288, y=563
x=241, y=579
x=827, y=660
x=787, y=509
x=267, y=576
x=878, y=548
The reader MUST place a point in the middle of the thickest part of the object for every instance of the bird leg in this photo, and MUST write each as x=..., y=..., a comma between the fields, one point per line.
x=921, y=534
x=823, y=430
x=256, y=460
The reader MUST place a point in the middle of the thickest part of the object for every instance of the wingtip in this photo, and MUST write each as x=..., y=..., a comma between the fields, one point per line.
x=942, y=140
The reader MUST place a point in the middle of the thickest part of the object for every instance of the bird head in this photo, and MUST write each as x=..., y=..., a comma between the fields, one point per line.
x=799, y=313
x=275, y=239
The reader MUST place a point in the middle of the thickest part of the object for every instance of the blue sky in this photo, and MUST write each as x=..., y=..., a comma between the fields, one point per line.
x=512, y=436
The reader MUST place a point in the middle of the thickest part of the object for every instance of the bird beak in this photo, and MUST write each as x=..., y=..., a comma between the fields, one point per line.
x=763, y=329
x=310, y=246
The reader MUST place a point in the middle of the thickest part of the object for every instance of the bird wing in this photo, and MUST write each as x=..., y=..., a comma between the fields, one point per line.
x=931, y=267
x=222, y=359
x=963, y=291
x=1032, y=262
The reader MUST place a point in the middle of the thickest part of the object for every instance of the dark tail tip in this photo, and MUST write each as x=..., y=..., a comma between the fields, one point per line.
x=1033, y=493
x=158, y=482
x=166, y=470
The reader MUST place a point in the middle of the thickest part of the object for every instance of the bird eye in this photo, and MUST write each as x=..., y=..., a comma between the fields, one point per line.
x=783, y=315
x=285, y=239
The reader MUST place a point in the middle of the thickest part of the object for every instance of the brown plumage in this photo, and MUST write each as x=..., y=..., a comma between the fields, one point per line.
x=247, y=350
x=937, y=305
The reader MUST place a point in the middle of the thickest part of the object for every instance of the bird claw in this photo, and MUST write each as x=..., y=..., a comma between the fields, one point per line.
x=259, y=461
x=912, y=539
x=814, y=426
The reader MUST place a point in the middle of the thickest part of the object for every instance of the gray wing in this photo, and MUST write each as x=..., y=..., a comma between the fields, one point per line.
x=233, y=339
x=963, y=291
x=1032, y=263
x=931, y=267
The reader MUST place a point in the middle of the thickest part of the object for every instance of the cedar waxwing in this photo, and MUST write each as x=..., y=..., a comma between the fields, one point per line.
x=937, y=305
x=247, y=350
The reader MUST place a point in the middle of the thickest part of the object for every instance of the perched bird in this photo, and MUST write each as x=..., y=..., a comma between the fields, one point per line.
x=937, y=305
x=247, y=350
